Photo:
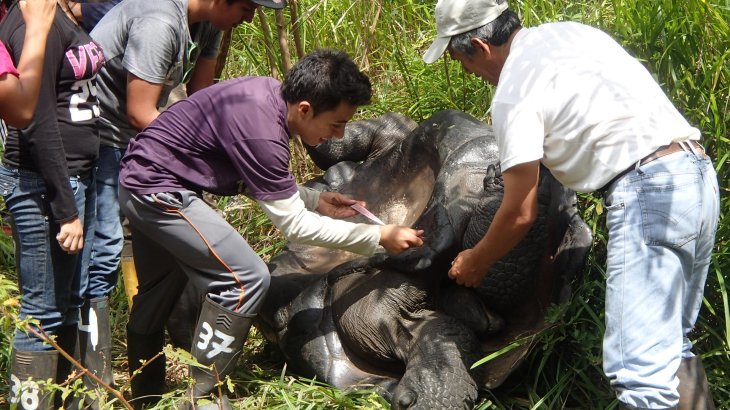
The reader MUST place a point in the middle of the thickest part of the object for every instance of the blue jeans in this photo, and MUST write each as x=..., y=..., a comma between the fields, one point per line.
x=108, y=236
x=661, y=221
x=51, y=281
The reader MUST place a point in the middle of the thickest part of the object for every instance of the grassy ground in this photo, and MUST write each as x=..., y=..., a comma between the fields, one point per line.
x=685, y=43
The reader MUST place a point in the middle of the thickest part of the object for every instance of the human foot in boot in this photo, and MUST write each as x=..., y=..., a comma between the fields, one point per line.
x=218, y=339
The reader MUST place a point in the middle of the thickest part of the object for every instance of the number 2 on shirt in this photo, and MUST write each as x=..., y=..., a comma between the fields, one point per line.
x=80, y=107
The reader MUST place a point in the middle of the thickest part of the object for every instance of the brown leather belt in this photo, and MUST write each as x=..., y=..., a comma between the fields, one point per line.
x=670, y=149
x=662, y=151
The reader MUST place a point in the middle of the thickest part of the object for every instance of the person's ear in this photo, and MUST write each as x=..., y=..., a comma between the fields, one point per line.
x=481, y=46
x=304, y=108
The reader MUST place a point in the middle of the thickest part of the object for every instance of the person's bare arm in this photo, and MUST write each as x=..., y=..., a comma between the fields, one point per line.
x=511, y=223
x=19, y=96
x=203, y=74
x=142, y=98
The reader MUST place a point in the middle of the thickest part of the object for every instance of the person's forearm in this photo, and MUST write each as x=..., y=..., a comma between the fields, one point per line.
x=508, y=228
x=141, y=119
x=310, y=197
x=203, y=76
x=142, y=98
x=305, y=227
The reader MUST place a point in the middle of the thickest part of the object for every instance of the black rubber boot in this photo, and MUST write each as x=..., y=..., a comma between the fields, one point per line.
x=217, y=343
x=95, y=345
x=66, y=338
x=26, y=370
x=148, y=385
x=694, y=391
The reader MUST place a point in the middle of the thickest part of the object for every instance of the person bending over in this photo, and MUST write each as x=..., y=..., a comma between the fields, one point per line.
x=570, y=97
x=233, y=138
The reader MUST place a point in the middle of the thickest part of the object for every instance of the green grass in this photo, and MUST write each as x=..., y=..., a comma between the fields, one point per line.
x=686, y=44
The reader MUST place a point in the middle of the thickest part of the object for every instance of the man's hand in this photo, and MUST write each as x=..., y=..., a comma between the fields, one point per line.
x=71, y=236
x=467, y=269
x=396, y=239
x=336, y=205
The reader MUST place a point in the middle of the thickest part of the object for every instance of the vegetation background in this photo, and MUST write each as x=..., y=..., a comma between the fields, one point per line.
x=685, y=43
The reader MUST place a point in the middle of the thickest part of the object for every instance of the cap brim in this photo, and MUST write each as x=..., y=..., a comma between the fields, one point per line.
x=436, y=50
x=272, y=4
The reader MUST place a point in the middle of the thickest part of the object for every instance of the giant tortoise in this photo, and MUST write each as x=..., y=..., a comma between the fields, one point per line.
x=399, y=323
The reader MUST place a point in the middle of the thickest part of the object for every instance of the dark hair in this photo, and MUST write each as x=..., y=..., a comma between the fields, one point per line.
x=325, y=78
x=496, y=33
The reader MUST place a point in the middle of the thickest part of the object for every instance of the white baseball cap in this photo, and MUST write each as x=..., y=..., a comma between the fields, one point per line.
x=459, y=16
x=272, y=4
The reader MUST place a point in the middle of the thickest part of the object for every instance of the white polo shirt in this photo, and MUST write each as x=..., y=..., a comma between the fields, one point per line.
x=572, y=97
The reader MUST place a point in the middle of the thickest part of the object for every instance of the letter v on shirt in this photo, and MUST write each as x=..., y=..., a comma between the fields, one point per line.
x=90, y=51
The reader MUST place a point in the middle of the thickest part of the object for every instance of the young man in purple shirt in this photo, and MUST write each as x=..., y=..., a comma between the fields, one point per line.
x=233, y=138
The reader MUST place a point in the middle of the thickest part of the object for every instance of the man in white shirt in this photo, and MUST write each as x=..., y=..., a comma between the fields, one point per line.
x=569, y=96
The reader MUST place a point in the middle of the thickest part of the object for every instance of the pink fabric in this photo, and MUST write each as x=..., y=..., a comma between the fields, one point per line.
x=6, y=63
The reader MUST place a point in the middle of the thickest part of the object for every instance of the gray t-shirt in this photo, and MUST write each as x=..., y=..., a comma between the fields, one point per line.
x=151, y=40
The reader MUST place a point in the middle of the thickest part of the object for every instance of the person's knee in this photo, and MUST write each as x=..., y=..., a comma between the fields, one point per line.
x=258, y=284
x=265, y=280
